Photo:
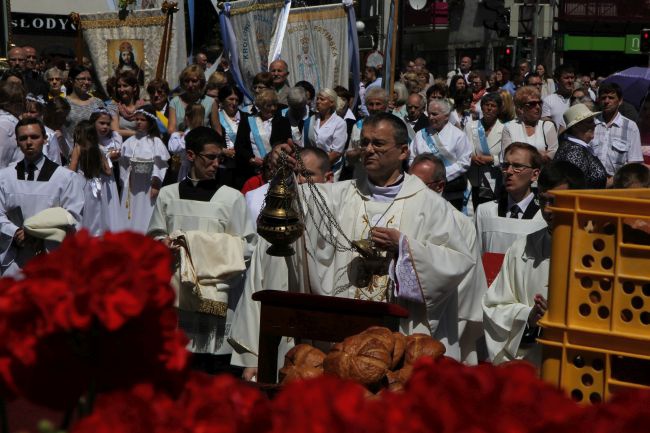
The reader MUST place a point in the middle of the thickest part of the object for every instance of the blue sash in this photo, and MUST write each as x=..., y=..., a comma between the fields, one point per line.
x=284, y=112
x=226, y=125
x=482, y=138
x=434, y=148
x=256, y=135
x=305, y=132
x=359, y=123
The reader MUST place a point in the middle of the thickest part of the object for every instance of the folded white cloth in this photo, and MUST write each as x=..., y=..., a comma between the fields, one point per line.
x=208, y=261
x=51, y=224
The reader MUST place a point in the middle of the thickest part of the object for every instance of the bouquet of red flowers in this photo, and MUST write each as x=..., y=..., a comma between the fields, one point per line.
x=94, y=315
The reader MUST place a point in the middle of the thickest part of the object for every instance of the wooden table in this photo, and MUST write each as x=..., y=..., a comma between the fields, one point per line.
x=324, y=318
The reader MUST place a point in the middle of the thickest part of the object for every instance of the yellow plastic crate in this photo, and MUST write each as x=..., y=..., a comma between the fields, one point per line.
x=599, y=275
x=598, y=322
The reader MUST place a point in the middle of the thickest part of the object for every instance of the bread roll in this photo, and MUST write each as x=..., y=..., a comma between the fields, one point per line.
x=398, y=351
x=292, y=373
x=418, y=345
x=304, y=355
x=363, y=358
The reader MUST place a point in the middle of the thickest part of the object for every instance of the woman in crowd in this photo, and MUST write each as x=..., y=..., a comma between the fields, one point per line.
x=54, y=78
x=548, y=85
x=508, y=113
x=457, y=84
x=54, y=117
x=12, y=106
x=215, y=82
x=327, y=130
x=439, y=90
x=257, y=134
x=398, y=101
x=229, y=117
x=485, y=135
x=575, y=148
x=127, y=95
x=158, y=90
x=101, y=211
x=461, y=113
x=192, y=82
x=82, y=103
x=180, y=166
x=261, y=81
x=477, y=83
x=529, y=128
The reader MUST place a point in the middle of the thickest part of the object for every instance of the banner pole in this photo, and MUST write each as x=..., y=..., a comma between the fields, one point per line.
x=393, y=48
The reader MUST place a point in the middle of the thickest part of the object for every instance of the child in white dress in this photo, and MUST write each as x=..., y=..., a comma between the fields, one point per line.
x=143, y=164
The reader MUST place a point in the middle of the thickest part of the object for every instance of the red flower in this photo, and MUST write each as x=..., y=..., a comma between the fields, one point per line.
x=320, y=405
x=95, y=313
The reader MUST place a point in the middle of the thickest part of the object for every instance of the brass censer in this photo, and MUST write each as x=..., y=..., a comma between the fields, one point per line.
x=280, y=222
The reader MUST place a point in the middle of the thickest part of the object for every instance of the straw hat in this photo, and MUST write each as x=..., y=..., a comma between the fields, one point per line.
x=577, y=114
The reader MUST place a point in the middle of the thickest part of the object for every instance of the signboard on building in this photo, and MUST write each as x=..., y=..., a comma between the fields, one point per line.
x=27, y=23
x=629, y=44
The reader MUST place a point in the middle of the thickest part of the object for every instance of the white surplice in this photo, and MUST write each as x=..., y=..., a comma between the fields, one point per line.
x=21, y=199
x=510, y=298
x=137, y=204
x=9, y=150
x=496, y=233
x=433, y=259
x=225, y=212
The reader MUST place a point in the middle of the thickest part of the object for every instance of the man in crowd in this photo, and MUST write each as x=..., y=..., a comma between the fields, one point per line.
x=416, y=119
x=298, y=113
x=16, y=58
x=448, y=143
x=517, y=298
x=524, y=68
x=207, y=224
x=12, y=106
x=377, y=102
x=28, y=187
x=616, y=138
x=33, y=81
x=499, y=223
x=557, y=103
x=431, y=170
x=280, y=72
x=464, y=69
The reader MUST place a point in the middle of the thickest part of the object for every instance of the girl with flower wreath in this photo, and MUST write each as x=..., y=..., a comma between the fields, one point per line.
x=101, y=211
x=143, y=164
x=35, y=108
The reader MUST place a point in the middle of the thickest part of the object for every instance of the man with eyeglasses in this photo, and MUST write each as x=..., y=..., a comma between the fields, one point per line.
x=517, y=298
x=415, y=117
x=431, y=170
x=516, y=213
x=206, y=224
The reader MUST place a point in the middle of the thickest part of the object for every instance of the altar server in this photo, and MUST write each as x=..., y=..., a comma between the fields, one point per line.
x=517, y=298
x=206, y=222
x=28, y=187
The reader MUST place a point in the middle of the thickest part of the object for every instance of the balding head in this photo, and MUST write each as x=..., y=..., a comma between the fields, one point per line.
x=30, y=57
x=431, y=170
x=16, y=58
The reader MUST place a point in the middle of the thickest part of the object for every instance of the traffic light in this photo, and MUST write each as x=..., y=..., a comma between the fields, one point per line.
x=507, y=55
x=645, y=41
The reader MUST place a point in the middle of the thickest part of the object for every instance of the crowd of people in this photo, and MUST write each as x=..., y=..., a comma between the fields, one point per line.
x=402, y=194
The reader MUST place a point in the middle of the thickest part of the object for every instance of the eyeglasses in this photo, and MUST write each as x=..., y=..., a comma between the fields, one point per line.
x=54, y=79
x=377, y=147
x=83, y=79
x=516, y=167
x=533, y=104
x=211, y=156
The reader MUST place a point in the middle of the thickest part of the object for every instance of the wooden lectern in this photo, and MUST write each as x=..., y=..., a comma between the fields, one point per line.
x=324, y=318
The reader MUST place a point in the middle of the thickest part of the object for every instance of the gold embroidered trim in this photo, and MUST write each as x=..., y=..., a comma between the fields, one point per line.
x=256, y=7
x=215, y=308
x=128, y=22
x=317, y=15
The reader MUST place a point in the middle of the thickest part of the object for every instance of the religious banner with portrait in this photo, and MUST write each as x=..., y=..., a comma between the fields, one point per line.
x=316, y=46
x=133, y=43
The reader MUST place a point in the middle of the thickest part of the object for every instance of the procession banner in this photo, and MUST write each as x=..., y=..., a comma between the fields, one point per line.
x=316, y=46
x=248, y=29
x=133, y=44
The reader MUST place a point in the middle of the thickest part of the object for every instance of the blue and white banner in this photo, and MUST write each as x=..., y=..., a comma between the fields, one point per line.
x=388, y=48
x=316, y=46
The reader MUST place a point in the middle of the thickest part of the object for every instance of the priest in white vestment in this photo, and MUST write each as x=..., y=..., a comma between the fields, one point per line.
x=516, y=300
x=210, y=221
x=28, y=187
x=431, y=170
x=419, y=253
x=501, y=222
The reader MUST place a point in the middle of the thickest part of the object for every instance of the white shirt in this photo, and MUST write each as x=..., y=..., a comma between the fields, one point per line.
x=617, y=144
x=9, y=151
x=233, y=124
x=544, y=139
x=265, y=134
x=456, y=145
x=523, y=205
x=554, y=107
x=493, y=138
x=330, y=136
x=255, y=201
